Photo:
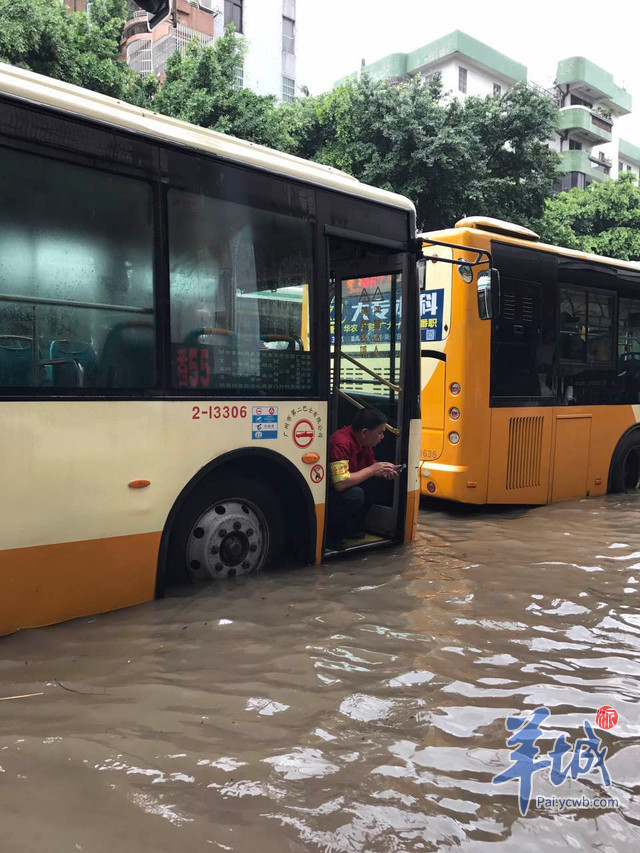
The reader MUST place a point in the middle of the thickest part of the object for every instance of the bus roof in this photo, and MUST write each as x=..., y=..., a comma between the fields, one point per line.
x=36, y=88
x=516, y=235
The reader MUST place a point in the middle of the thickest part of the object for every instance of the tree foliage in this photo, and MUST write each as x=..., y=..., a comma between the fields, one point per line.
x=45, y=37
x=202, y=88
x=486, y=156
x=603, y=218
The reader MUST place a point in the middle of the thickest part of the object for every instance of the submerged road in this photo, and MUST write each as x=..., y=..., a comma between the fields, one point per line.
x=358, y=706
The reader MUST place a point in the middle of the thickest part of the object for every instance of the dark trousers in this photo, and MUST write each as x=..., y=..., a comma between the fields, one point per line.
x=348, y=510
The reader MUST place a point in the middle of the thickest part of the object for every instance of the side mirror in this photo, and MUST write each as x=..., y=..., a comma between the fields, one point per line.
x=158, y=10
x=421, y=272
x=488, y=294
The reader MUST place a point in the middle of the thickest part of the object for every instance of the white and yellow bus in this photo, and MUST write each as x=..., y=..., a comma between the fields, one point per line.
x=168, y=382
x=530, y=368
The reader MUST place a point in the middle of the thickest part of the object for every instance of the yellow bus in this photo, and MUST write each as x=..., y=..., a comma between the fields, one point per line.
x=530, y=368
x=167, y=379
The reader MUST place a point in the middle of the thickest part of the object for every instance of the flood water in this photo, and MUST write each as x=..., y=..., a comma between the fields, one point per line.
x=358, y=706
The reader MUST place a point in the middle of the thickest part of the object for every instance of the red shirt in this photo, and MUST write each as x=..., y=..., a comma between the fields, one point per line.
x=343, y=445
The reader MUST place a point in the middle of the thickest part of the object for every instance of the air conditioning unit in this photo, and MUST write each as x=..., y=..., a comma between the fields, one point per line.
x=209, y=5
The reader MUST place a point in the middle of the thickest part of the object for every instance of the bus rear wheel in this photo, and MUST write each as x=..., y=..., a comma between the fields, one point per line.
x=227, y=528
x=625, y=474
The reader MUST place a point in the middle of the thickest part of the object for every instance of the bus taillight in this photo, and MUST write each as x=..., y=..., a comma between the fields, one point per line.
x=455, y=388
x=431, y=487
x=454, y=413
x=454, y=437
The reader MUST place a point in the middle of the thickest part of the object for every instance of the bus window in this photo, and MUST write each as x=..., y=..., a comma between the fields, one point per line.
x=629, y=349
x=573, y=324
x=240, y=281
x=600, y=327
x=76, y=278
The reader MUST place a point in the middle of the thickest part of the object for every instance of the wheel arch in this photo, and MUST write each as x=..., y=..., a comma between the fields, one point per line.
x=259, y=463
x=634, y=428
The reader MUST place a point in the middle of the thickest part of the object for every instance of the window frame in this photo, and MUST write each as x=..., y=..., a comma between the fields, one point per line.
x=288, y=41
x=120, y=146
x=262, y=191
x=288, y=97
x=463, y=79
x=591, y=365
x=238, y=7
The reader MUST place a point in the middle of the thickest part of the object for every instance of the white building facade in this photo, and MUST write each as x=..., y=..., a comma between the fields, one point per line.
x=588, y=99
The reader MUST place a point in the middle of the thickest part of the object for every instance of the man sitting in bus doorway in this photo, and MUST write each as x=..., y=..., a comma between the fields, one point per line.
x=353, y=465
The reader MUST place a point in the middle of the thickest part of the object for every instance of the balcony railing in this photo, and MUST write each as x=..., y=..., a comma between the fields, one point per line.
x=139, y=14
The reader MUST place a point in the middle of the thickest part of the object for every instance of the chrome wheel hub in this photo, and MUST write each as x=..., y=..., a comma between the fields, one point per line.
x=229, y=539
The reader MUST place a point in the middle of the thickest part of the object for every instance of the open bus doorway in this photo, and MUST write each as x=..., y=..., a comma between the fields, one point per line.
x=367, y=298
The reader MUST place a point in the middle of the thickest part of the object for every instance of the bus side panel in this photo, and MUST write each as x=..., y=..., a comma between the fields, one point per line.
x=75, y=537
x=434, y=374
x=607, y=425
x=413, y=481
x=520, y=455
x=51, y=583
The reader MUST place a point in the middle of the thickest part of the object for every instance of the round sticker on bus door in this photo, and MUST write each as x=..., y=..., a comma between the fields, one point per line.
x=303, y=433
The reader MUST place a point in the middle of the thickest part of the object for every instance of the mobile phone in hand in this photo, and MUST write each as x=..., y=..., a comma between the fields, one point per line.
x=400, y=467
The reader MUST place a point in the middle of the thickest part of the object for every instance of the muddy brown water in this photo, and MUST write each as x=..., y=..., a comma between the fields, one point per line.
x=358, y=706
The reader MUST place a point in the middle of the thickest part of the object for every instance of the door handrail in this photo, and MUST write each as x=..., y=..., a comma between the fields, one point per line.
x=360, y=406
x=396, y=388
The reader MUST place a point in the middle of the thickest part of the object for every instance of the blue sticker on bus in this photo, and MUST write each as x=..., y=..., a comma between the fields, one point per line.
x=264, y=422
x=431, y=309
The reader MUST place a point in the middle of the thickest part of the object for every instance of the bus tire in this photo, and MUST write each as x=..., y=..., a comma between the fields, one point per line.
x=229, y=526
x=625, y=466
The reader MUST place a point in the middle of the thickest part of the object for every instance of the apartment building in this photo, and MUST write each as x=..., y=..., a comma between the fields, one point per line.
x=268, y=25
x=588, y=99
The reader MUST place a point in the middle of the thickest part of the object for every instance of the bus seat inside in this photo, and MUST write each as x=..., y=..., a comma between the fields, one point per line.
x=65, y=375
x=128, y=358
x=16, y=360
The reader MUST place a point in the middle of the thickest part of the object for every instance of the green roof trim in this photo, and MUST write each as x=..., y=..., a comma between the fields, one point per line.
x=578, y=69
x=459, y=42
x=401, y=64
x=628, y=150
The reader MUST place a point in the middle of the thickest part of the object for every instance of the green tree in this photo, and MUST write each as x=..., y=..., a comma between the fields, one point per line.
x=603, y=218
x=45, y=37
x=201, y=87
x=485, y=156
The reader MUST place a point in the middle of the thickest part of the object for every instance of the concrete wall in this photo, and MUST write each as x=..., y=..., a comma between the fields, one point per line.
x=266, y=63
x=479, y=82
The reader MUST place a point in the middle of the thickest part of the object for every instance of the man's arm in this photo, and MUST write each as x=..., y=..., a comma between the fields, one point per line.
x=378, y=469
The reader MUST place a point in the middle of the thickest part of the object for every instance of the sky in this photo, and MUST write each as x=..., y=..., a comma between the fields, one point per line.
x=333, y=36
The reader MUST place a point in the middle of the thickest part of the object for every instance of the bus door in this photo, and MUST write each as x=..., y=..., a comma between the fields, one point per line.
x=367, y=299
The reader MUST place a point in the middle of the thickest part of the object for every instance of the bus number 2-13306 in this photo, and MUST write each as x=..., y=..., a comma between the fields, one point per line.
x=213, y=413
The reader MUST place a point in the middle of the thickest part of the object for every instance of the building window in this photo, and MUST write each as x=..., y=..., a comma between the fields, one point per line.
x=620, y=166
x=628, y=168
x=288, y=36
x=239, y=76
x=288, y=90
x=233, y=14
x=497, y=89
x=462, y=79
x=575, y=146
